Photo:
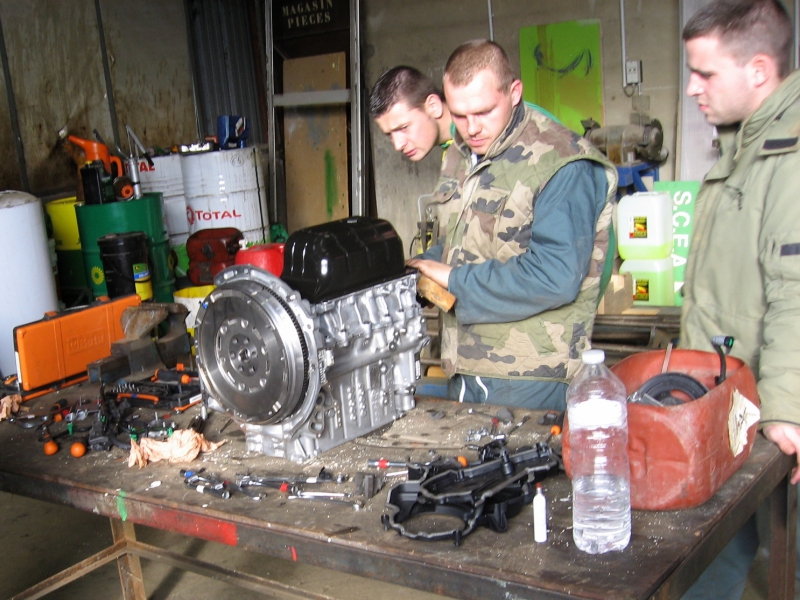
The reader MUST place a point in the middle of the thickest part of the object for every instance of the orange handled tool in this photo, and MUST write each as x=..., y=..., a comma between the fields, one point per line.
x=98, y=151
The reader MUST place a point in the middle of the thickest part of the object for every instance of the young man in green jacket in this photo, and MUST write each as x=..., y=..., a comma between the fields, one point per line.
x=408, y=108
x=743, y=274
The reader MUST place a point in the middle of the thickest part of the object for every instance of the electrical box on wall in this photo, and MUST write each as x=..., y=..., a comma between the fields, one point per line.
x=633, y=72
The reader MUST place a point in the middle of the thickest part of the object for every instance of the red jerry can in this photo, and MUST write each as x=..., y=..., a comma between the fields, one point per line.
x=214, y=245
x=681, y=455
x=264, y=256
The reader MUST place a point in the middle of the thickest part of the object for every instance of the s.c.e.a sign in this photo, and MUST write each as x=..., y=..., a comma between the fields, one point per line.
x=293, y=18
x=684, y=194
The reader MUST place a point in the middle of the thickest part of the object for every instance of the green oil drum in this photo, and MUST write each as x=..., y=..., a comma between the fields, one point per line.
x=142, y=214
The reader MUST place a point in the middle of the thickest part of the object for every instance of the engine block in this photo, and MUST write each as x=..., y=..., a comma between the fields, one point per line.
x=302, y=377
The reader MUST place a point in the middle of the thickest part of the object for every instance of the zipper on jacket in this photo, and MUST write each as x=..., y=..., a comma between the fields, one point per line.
x=466, y=201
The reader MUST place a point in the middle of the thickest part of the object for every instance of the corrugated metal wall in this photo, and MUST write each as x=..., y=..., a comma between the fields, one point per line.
x=229, y=71
x=56, y=70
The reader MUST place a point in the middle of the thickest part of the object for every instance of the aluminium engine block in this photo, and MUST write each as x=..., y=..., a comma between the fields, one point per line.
x=302, y=377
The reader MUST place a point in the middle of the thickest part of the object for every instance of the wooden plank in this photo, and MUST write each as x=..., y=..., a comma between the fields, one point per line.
x=315, y=141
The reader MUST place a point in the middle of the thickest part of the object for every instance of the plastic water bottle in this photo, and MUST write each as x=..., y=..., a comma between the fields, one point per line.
x=598, y=430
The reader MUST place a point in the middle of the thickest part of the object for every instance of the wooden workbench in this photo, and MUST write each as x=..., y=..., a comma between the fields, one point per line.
x=668, y=550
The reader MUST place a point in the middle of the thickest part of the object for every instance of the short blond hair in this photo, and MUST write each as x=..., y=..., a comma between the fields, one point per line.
x=474, y=56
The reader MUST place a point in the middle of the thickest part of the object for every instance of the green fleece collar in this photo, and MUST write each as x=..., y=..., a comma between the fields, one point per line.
x=768, y=119
x=773, y=122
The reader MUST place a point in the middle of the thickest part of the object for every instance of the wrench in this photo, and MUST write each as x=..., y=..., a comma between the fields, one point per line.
x=518, y=425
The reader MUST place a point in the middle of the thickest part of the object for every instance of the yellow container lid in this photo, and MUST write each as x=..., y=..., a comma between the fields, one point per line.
x=65, y=223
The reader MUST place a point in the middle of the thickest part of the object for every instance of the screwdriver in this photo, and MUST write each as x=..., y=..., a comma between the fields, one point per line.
x=211, y=489
x=205, y=485
x=554, y=430
x=59, y=405
x=138, y=396
x=384, y=463
x=175, y=376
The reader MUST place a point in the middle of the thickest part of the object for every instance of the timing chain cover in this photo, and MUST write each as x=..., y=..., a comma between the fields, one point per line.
x=487, y=493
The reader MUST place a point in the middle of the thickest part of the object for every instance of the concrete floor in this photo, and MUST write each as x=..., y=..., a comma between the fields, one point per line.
x=40, y=539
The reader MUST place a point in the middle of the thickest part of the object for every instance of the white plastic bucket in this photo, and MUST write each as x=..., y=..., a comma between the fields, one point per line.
x=166, y=176
x=644, y=223
x=226, y=189
x=653, y=281
x=28, y=289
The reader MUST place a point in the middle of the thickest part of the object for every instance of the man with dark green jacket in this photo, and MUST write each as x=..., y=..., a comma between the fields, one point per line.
x=525, y=208
x=743, y=274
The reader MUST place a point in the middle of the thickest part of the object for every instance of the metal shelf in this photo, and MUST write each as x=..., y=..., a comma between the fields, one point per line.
x=351, y=96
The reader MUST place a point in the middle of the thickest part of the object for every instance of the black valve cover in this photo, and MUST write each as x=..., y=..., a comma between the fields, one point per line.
x=333, y=259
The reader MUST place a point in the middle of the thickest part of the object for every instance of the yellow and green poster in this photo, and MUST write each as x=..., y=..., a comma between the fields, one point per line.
x=560, y=65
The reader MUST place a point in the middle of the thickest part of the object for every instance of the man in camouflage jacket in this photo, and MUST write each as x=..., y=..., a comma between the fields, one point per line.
x=525, y=207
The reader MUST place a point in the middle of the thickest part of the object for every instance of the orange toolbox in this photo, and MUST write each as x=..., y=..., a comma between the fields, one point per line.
x=56, y=350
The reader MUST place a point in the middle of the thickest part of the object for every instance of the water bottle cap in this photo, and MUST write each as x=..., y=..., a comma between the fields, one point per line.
x=593, y=357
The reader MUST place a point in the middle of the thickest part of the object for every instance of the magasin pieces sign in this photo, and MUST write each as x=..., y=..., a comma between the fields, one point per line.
x=291, y=18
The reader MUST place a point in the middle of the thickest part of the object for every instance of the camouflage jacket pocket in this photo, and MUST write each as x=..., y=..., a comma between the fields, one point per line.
x=482, y=221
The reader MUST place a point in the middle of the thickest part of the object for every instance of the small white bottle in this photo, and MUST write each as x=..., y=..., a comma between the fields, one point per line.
x=539, y=515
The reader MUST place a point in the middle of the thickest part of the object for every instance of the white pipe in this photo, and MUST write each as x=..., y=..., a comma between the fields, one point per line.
x=622, y=41
x=491, y=21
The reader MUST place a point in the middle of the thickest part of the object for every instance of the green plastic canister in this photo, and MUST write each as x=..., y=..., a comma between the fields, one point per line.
x=137, y=214
x=644, y=225
x=653, y=281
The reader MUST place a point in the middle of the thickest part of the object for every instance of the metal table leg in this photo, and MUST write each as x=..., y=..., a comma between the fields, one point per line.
x=783, y=534
x=130, y=568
